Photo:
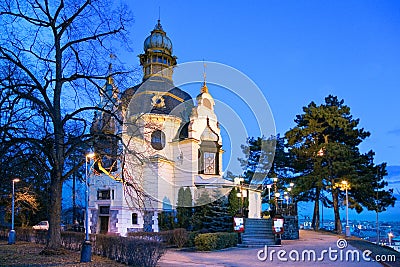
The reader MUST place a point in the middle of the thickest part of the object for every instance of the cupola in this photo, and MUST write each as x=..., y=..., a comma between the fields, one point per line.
x=157, y=59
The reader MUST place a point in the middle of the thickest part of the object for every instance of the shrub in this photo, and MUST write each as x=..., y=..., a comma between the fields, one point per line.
x=72, y=240
x=180, y=237
x=30, y=235
x=177, y=237
x=130, y=250
x=213, y=241
x=191, y=237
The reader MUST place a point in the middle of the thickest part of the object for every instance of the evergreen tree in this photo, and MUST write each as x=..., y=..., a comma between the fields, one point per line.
x=259, y=154
x=217, y=219
x=266, y=159
x=184, y=208
x=233, y=202
x=201, y=210
x=324, y=147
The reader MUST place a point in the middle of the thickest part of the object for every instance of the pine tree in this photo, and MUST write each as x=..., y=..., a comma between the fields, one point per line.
x=259, y=154
x=233, y=202
x=201, y=210
x=184, y=208
x=324, y=147
x=217, y=219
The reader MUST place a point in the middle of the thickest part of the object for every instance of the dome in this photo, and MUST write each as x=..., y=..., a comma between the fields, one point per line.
x=158, y=40
x=171, y=100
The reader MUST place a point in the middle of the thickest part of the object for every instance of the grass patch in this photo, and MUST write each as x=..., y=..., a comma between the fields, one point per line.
x=28, y=254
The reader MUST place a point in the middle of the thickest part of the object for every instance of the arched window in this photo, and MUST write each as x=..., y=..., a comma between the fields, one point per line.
x=208, y=158
x=158, y=140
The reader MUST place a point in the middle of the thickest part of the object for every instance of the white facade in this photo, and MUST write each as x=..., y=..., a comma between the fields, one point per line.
x=162, y=152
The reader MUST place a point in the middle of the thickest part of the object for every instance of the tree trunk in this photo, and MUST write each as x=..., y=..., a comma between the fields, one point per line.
x=74, y=217
x=54, y=233
x=338, y=223
x=315, y=219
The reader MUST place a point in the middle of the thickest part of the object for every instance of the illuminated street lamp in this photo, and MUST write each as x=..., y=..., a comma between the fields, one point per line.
x=390, y=235
x=287, y=201
x=345, y=186
x=11, y=235
x=269, y=186
x=86, y=252
x=277, y=195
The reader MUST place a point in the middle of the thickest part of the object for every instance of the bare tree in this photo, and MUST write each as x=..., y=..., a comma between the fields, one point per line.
x=58, y=52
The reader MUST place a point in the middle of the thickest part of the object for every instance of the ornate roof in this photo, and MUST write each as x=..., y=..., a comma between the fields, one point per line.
x=158, y=40
x=158, y=95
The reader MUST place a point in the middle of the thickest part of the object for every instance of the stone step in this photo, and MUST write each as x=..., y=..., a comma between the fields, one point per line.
x=257, y=236
x=257, y=233
x=257, y=243
x=254, y=229
x=257, y=223
x=251, y=238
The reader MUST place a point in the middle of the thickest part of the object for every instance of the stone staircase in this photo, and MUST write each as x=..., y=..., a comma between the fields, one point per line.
x=257, y=233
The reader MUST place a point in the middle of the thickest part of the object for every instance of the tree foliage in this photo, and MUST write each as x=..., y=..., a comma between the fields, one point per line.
x=184, y=210
x=234, y=202
x=324, y=148
x=259, y=159
x=265, y=159
x=218, y=218
x=201, y=210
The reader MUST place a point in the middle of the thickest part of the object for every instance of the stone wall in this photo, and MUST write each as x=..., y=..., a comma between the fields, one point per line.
x=291, y=226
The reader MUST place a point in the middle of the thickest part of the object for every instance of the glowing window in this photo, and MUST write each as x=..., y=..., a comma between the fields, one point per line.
x=209, y=163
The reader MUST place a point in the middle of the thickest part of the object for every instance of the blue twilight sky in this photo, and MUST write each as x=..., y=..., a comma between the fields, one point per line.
x=296, y=52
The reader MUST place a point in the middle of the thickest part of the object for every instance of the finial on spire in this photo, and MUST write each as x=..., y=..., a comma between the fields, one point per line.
x=109, y=76
x=158, y=25
x=204, y=72
x=204, y=89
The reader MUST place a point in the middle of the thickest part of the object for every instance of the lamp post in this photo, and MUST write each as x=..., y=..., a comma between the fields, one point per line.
x=277, y=195
x=275, y=179
x=269, y=186
x=287, y=201
x=346, y=186
x=11, y=235
x=86, y=252
x=390, y=235
x=377, y=218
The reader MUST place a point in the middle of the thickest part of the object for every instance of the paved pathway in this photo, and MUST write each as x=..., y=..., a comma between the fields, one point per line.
x=249, y=257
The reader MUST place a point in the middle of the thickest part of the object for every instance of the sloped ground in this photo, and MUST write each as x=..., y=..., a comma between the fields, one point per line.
x=376, y=250
x=27, y=254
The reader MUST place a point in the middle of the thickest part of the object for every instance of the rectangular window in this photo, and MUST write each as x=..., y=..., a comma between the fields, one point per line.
x=103, y=194
x=209, y=163
x=134, y=218
x=104, y=210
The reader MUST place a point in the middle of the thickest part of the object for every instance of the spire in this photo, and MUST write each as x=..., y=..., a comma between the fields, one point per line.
x=204, y=88
x=110, y=79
